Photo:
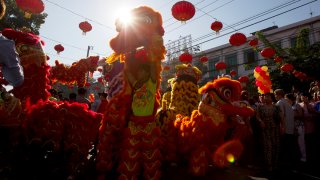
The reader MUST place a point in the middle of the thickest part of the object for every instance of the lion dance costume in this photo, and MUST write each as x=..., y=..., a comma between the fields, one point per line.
x=55, y=127
x=128, y=135
x=184, y=98
x=204, y=137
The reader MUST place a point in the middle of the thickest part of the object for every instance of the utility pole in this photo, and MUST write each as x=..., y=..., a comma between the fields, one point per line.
x=88, y=52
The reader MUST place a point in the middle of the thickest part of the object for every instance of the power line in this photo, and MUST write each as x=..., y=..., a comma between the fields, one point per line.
x=70, y=45
x=192, y=19
x=283, y=39
x=249, y=19
x=261, y=21
x=51, y=54
x=77, y=14
x=250, y=25
x=176, y=21
x=215, y=18
x=198, y=16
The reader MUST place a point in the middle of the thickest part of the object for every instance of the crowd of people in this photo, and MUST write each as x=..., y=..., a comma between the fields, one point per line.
x=285, y=130
x=81, y=97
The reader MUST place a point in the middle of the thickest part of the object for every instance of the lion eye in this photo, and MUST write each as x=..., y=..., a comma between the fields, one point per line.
x=227, y=93
x=22, y=48
x=146, y=19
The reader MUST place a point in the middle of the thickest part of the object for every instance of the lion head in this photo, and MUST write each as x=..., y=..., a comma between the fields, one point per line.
x=145, y=27
x=219, y=97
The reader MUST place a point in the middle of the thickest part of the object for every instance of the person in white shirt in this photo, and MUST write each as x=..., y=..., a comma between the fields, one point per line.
x=289, y=145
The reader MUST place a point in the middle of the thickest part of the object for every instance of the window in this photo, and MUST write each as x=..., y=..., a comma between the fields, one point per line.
x=277, y=44
x=232, y=62
x=293, y=42
x=212, y=67
x=250, y=59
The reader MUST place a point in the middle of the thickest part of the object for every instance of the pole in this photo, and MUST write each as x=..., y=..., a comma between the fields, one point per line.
x=88, y=52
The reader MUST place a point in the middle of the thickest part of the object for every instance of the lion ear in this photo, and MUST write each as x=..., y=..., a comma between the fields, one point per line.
x=161, y=30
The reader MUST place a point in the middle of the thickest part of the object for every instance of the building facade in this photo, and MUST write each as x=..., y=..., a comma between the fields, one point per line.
x=243, y=59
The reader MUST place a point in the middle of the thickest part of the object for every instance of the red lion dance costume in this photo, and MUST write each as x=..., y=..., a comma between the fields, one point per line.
x=203, y=137
x=59, y=127
x=35, y=67
x=129, y=136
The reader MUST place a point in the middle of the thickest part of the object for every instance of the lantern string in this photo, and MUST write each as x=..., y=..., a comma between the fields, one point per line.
x=257, y=22
x=216, y=19
x=283, y=39
x=165, y=21
x=201, y=15
x=77, y=14
x=73, y=46
x=245, y=20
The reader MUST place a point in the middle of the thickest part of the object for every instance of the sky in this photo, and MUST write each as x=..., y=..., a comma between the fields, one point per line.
x=62, y=24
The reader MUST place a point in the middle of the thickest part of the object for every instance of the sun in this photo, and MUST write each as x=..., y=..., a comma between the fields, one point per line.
x=124, y=16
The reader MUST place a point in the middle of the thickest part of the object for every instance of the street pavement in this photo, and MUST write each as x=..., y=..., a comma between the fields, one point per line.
x=243, y=173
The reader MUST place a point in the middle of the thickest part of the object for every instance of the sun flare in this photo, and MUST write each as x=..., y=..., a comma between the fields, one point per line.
x=124, y=16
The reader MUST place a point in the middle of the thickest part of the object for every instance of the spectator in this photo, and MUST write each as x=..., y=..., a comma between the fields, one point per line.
x=81, y=97
x=53, y=95
x=104, y=104
x=9, y=60
x=298, y=125
x=96, y=104
x=309, y=126
x=288, y=139
x=269, y=117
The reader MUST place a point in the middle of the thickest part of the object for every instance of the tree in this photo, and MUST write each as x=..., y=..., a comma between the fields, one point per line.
x=14, y=18
x=303, y=56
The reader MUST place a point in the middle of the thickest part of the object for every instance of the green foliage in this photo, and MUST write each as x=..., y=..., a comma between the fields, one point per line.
x=14, y=18
x=304, y=57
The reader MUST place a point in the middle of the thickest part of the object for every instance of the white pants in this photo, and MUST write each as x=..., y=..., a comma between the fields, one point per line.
x=302, y=145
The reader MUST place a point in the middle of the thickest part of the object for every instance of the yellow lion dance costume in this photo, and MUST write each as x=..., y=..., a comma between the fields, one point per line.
x=128, y=135
x=184, y=98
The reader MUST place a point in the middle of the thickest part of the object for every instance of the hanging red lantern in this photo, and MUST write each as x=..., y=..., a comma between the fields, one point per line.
x=253, y=43
x=204, y=59
x=302, y=76
x=166, y=68
x=85, y=27
x=216, y=26
x=268, y=53
x=183, y=11
x=59, y=48
x=185, y=58
x=278, y=59
x=243, y=79
x=30, y=7
x=233, y=73
x=220, y=65
x=237, y=39
x=287, y=68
